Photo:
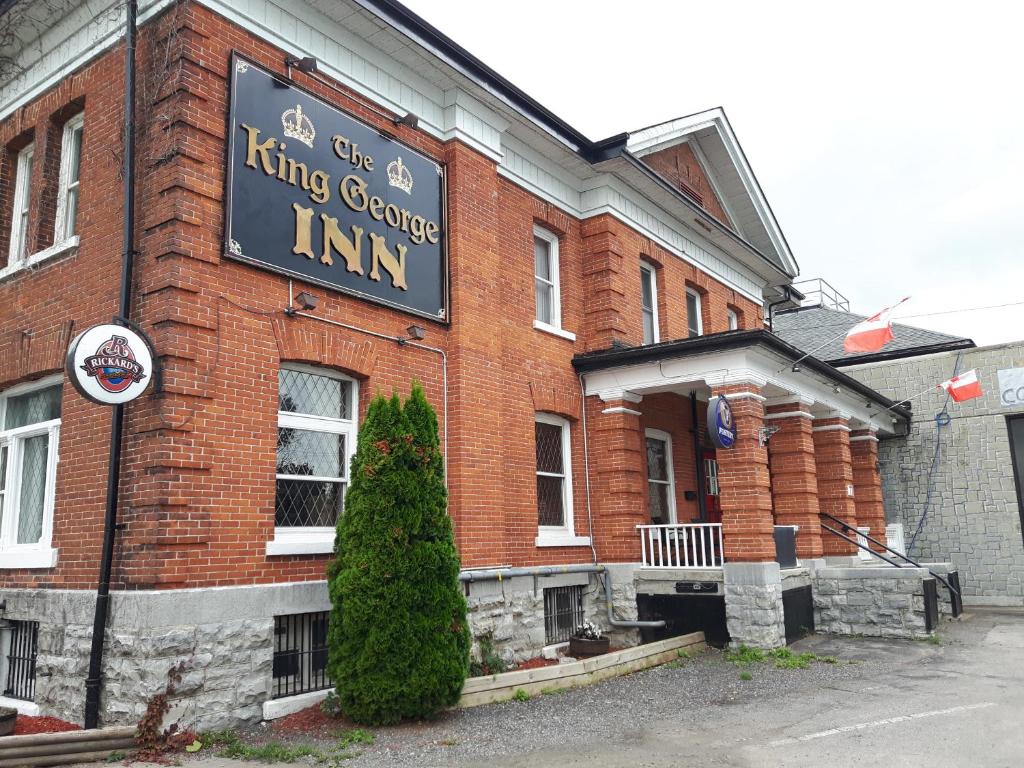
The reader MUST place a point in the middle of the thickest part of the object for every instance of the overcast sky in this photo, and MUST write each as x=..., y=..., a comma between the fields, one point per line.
x=886, y=136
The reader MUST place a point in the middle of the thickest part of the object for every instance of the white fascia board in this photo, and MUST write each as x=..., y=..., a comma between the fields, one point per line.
x=751, y=365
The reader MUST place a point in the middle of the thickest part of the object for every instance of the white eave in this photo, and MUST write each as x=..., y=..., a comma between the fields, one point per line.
x=714, y=143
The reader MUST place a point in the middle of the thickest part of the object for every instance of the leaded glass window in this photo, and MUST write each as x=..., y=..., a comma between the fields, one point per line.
x=660, y=481
x=554, y=480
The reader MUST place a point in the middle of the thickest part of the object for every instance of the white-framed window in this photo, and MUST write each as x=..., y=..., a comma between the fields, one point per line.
x=649, y=302
x=22, y=202
x=29, y=440
x=316, y=437
x=693, y=320
x=661, y=484
x=554, y=482
x=67, y=191
x=547, y=286
x=734, y=319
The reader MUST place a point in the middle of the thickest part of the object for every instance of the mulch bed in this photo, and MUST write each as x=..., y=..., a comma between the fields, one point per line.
x=536, y=663
x=26, y=724
x=311, y=721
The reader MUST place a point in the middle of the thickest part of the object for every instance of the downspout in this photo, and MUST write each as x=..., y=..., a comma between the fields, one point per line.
x=789, y=294
x=698, y=454
x=94, y=681
x=586, y=467
x=500, y=574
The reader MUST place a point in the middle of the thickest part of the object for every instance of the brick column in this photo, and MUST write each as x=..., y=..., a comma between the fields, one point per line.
x=867, y=484
x=753, y=583
x=744, y=485
x=835, y=480
x=618, y=478
x=794, y=475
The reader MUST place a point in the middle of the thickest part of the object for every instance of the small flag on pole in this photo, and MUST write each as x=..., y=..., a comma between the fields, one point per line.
x=872, y=334
x=963, y=387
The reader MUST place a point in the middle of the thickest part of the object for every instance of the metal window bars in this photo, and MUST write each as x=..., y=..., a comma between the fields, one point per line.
x=21, y=660
x=563, y=613
x=300, y=654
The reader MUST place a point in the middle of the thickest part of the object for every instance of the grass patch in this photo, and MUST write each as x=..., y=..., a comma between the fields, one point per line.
x=744, y=656
x=355, y=736
x=231, y=746
x=783, y=658
x=113, y=757
x=746, y=676
x=521, y=695
x=551, y=691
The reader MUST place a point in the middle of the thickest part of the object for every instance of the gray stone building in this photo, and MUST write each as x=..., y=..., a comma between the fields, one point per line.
x=951, y=482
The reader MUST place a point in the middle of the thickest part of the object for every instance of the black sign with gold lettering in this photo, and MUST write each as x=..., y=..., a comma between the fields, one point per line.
x=317, y=194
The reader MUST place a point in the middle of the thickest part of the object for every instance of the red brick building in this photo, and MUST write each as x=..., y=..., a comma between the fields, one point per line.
x=596, y=295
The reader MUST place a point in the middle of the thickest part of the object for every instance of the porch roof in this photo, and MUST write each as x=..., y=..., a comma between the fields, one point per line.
x=755, y=347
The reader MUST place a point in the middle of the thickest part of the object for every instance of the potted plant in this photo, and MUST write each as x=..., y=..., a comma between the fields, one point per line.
x=588, y=641
x=8, y=716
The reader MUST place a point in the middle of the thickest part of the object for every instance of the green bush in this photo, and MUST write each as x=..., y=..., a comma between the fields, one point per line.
x=398, y=639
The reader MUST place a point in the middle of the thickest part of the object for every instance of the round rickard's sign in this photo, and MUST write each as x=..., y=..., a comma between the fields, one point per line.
x=721, y=427
x=110, y=364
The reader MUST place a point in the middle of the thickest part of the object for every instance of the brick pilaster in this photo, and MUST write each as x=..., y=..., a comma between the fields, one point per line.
x=835, y=479
x=743, y=480
x=794, y=475
x=867, y=483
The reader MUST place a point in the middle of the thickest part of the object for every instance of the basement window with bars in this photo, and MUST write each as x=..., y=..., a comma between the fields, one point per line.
x=19, y=643
x=300, y=654
x=563, y=613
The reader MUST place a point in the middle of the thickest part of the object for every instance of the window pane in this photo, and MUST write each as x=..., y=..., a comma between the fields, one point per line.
x=542, y=258
x=316, y=454
x=314, y=395
x=657, y=466
x=33, y=407
x=304, y=503
x=549, y=501
x=734, y=322
x=646, y=290
x=693, y=314
x=648, y=327
x=3, y=482
x=72, y=212
x=549, y=448
x=33, y=489
x=659, y=503
x=544, y=312
x=76, y=154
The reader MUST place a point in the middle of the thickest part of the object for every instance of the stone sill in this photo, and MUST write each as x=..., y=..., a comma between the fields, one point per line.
x=275, y=708
x=28, y=558
x=66, y=247
x=29, y=708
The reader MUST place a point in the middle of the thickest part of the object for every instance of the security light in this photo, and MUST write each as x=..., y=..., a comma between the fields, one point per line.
x=306, y=64
x=417, y=332
x=307, y=301
x=408, y=119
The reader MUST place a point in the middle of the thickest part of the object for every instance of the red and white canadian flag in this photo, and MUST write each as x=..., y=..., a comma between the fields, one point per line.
x=963, y=387
x=872, y=334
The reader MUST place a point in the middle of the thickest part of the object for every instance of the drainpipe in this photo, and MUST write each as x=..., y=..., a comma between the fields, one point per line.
x=99, y=627
x=789, y=293
x=500, y=574
x=698, y=454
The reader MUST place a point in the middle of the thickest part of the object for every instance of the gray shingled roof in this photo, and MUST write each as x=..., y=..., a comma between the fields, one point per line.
x=808, y=328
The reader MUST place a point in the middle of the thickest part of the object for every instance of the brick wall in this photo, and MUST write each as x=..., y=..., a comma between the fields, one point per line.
x=198, y=476
x=680, y=166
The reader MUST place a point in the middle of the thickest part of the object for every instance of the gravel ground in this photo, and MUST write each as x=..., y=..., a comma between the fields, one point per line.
x=615, y=708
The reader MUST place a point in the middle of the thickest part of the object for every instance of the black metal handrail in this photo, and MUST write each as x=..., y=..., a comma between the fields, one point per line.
x=848, y=527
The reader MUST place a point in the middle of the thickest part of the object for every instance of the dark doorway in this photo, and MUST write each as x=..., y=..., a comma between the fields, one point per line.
x=1015, y=425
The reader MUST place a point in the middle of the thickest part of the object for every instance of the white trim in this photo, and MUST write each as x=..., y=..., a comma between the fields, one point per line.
x=21, y=214
x=61, y=230
x=68, y=247
x=649, y=273
x=733, y=319
x=858, y=438
x=831, y=428
x=745, y=396
x=44, y=557
x=553, y=281
x=788, y=415
x=301, y=541
x=621, y=409
x=567, y=531
x=610, y=395
x=29, y=708
x=288, y=705
x=670, y=471
x=560, y=332
x=560, y=540
x=698, y=304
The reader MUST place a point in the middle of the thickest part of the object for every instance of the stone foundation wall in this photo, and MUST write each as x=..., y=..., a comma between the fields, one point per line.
x=872, y=601
x=753, y=604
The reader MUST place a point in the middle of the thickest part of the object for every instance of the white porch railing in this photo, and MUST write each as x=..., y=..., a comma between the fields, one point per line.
x=695, y=545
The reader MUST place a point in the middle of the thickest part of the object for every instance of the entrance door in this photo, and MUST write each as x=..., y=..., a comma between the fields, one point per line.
x=712, y=500
x=661, y=485
x=1016, y=426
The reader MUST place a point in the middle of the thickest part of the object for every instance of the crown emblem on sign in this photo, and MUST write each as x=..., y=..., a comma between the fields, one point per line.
x=399, y=176
x=298, y=126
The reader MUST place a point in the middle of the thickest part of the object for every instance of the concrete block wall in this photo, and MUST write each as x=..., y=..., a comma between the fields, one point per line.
x=974, y=522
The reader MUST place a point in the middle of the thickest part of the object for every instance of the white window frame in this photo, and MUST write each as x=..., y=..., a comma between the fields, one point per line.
x=555, y=283
x=316, y=540
x=734, y=319
x=61, y=229
x=670, y=471
x=39, y=554
x=18, y=247
x=560, y=535
x=649, y=272
x=699, y=311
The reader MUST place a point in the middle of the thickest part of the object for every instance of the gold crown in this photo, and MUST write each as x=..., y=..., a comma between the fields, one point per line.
x=399, y=176
x=298, y=126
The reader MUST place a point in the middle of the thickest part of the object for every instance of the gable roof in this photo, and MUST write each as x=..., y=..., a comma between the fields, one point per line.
x=821, y=330
x=716, y=147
